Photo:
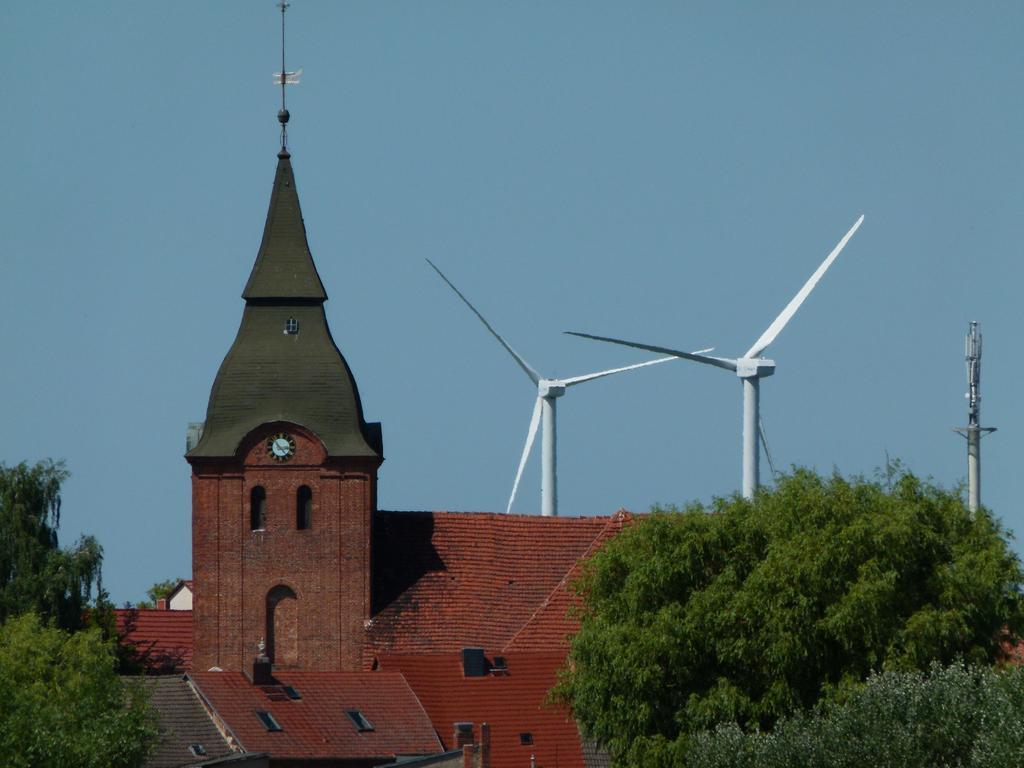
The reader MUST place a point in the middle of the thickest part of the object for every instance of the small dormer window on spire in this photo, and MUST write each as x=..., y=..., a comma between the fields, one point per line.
x=291, y=326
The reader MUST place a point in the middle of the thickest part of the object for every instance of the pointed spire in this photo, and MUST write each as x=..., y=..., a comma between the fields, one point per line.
x=284, y=267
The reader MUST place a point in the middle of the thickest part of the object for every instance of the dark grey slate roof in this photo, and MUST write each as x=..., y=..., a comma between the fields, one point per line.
x=269, y=375
x=183, y=721
x=594, y=756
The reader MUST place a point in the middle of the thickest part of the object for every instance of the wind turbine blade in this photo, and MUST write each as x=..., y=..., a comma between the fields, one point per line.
x=591, y=376
x=719, y=362
x=764, y=443
x=534, y=376
x=784, y=317
x=530, y=435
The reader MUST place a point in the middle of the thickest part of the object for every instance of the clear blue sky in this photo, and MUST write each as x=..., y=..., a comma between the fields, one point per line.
x=670, y=172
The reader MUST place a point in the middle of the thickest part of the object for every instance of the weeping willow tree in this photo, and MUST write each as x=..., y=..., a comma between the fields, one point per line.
x=36, y=574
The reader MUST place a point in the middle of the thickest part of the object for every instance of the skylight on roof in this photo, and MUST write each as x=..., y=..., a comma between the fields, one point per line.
x=268, y=720
x=525, y=738
x=197, y=750
x=291, y=693
x=359, y=720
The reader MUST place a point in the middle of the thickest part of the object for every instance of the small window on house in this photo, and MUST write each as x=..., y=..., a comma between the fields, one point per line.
x=268, y=720
x=359, y=721
x=258, y=508
x=303, y=508
x=197, y=750
x=291, y=326
x=525, y=739
x=291, y=693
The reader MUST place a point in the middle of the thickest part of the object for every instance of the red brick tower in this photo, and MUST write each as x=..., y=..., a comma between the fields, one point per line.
x=284, y=474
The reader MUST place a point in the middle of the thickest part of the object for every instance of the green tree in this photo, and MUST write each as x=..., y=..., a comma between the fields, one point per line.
x=948, y=716
x=159, y=590
x=35, y=573
x=752, y=610
x=63, y=704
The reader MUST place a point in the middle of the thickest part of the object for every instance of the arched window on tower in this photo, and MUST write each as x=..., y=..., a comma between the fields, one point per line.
x=303, y=508
x=258, y=508
x=282, y=627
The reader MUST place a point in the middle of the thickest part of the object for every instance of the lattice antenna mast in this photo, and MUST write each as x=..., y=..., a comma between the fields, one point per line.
x=973, y=431
x=284, y=78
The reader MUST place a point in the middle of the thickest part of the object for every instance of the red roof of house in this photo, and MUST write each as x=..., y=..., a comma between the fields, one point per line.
x=551, y=625
x=316, y=726
x=512, y=704
x=445, y=580
x=162, y=639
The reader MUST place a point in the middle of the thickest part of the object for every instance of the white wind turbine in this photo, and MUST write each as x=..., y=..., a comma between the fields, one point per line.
x=548, y=391
x=751, y=367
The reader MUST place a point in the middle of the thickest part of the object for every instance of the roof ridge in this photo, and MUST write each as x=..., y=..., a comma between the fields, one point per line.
x=415, y=697
x=219, y=722
x=618, y=520
x=518, y=517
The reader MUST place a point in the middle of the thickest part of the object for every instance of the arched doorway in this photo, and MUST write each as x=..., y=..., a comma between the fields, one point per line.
x=283, y=627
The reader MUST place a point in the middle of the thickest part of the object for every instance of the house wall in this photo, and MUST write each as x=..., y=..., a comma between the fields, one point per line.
x=182, y=600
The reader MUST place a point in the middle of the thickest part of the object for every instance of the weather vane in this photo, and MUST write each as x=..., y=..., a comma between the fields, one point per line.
x=284, y=78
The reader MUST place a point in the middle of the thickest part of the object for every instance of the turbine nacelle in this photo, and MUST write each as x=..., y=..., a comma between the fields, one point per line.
x=550, y=388
x=754, y=367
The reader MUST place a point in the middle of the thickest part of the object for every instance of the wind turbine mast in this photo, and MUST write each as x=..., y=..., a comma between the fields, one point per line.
x=544, y=410
x=750, y=368
x=973, y=431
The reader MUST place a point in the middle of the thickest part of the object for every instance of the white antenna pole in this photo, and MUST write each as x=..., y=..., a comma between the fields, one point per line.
x=973, y=431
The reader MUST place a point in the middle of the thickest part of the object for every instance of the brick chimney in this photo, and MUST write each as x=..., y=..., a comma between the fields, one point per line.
x=485, y=745
x=463, y=735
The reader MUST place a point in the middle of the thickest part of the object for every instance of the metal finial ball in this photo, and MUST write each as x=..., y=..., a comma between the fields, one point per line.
x=283, y=116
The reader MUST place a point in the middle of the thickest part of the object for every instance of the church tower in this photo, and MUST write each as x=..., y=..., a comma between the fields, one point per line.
x=284, y=474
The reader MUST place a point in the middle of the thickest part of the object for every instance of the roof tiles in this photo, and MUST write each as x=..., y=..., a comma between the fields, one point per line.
x=182, y=721
x=162, y=638
x=512, y=703
x=444, y=580
x=316, y=725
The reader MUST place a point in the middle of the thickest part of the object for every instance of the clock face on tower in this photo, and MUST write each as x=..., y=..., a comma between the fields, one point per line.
x=281, y=446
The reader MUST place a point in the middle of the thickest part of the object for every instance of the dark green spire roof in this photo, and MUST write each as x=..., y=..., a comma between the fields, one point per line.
x=270, y=375
x=284, y=267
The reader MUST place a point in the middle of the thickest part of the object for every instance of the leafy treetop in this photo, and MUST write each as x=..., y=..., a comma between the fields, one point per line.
x=64, y=705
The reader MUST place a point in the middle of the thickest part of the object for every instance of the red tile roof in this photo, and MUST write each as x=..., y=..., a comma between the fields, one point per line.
x=445, y=580
x=511, y=704
x=316, y=726
x=551, y=626
x=162, y=639
x=442, y=581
